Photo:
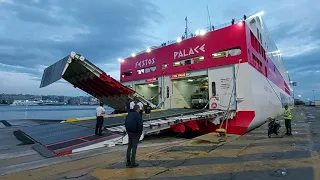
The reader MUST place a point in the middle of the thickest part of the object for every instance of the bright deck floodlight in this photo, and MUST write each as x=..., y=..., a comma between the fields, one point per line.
x=179, y=39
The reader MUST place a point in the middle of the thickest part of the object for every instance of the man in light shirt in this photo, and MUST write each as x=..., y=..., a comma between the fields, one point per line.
x=141, y=107
x=100, y=113
x=132, y=105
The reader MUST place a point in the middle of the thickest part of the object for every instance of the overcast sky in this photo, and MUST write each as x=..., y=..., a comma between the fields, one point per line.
x=37, y=33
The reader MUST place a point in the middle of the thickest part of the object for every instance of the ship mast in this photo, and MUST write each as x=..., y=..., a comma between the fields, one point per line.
x=186, y=28
x=210, y=27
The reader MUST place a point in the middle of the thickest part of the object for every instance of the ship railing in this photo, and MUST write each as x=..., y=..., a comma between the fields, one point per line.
x=207, y=29
x=144, y=100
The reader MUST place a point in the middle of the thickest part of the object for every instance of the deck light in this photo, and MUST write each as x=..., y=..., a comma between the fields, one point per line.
x=119, y=59
x=133, y=54
x=202, y=32
x=179, y=39
x=148, y=50
x=197, y=32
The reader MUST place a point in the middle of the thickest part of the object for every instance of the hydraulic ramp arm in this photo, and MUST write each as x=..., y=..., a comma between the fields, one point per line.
x=82, y=74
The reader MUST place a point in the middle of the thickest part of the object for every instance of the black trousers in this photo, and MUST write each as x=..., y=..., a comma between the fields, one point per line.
x=99, y=124
x=132, y=149
x=288, y=125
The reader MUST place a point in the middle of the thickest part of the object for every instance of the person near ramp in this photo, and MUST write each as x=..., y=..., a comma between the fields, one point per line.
x=134, y=128
x=287, y=118
x=100, y=113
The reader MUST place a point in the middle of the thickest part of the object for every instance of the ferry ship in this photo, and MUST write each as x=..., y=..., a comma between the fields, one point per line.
x=236, y=68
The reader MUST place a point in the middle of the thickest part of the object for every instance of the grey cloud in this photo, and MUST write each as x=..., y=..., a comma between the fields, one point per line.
x=106, y=30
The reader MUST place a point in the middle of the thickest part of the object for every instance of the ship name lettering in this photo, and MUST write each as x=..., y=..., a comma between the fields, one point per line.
x=188, y=51
x=145, y=62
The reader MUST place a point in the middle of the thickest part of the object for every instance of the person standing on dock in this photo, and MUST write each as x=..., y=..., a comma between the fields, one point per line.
x=100, y=113
x=141, y=108
x=134, y=128
x=287, y=118
x=132, y=103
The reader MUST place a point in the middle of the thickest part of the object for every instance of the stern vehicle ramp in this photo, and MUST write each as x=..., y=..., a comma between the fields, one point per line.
x=82, y=74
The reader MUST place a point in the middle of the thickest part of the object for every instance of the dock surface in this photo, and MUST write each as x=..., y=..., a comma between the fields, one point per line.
x=251, y=156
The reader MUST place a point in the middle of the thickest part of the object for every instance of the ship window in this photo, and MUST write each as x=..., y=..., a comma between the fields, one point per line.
x=168, y=92
x=214, y=92
x=164, y=66
x=234, y=52
x=140, y=71
x=127, y=73
x=147, y=70
x=198, y=59
x=150, y=69
x=177, y=63
x=226, y=53
x=188, y=61
x=221, y=54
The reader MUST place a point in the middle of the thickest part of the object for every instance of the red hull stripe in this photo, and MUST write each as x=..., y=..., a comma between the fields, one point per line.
x=238, y=125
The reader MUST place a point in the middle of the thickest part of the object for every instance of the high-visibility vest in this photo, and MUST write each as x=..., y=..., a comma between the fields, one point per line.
x=287, y=114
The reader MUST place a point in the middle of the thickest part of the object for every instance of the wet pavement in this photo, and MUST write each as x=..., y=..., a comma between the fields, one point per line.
x=252, y=156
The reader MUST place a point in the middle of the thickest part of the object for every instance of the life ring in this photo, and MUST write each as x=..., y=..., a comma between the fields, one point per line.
x=214, y=105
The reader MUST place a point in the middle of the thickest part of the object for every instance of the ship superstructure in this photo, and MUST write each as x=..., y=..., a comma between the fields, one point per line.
x=239, y=66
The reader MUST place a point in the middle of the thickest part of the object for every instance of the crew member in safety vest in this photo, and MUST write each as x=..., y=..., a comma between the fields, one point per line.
x=287, y=118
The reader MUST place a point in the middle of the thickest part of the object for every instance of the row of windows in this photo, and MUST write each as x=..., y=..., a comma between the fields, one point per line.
x=147, y=70
x=188, y=61
x=257, y=45
x=226, y=53
x=216, y=55
x=257, y=63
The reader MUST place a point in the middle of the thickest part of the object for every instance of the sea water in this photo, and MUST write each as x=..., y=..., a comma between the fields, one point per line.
x=48, y=112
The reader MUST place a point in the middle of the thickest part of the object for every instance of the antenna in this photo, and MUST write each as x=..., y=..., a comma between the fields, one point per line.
x=209, y=18
x=186, y=29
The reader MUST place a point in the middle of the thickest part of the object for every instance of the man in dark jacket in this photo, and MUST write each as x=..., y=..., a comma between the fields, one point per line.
x=134, y=127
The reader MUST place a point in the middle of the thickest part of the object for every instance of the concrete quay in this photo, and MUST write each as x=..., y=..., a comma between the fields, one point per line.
x=251, y=156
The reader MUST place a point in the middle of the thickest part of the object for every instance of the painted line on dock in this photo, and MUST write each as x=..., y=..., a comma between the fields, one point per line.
x=113, y=115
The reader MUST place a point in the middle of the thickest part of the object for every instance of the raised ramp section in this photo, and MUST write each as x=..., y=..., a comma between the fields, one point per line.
x=82, y=74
